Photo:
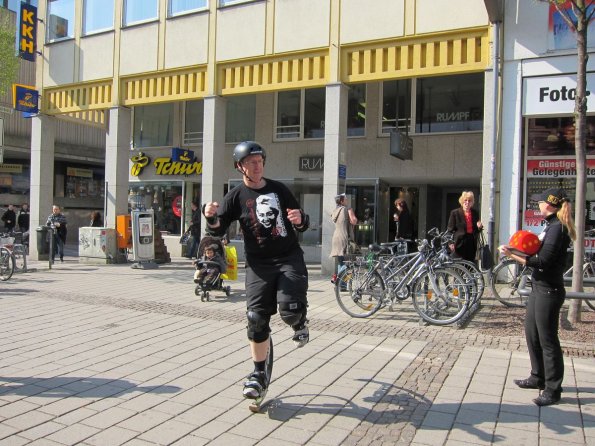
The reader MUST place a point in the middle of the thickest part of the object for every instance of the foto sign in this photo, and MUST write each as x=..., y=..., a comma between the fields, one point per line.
x=549, y=95
x=28, y=32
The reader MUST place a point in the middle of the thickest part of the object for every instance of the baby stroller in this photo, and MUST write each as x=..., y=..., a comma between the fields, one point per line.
x=216, y=282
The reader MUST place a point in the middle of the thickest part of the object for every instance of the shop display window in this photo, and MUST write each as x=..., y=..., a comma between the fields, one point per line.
x=555, y=136
x=165, y=198
x=550, y=161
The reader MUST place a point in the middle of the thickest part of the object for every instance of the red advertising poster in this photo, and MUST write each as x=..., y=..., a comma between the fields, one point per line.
x=176, y=206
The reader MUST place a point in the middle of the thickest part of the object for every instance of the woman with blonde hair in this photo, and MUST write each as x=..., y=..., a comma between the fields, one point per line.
x=547, y=296
x=464, y=222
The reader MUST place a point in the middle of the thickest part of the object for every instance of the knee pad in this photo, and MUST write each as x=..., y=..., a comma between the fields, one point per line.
x=258, y=326
x=292, y=313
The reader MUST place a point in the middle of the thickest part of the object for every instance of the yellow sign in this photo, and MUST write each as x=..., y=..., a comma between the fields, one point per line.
x=77, y=172
x=164, y=166
x=11, y=168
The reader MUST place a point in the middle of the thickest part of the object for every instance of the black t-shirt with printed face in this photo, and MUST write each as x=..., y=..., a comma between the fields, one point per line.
x=262, y=214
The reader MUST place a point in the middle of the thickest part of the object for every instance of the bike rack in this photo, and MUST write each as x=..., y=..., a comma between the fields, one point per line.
x=523, y=290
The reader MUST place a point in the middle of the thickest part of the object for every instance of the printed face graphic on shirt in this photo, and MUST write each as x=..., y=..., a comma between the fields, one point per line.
x=268, y=213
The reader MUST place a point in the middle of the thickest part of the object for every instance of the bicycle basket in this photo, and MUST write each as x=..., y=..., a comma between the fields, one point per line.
x=6, y=241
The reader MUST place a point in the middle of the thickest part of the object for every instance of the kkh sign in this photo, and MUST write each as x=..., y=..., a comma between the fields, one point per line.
x=28, y=32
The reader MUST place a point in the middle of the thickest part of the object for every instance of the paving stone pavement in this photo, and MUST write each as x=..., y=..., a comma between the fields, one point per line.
x=110, y=355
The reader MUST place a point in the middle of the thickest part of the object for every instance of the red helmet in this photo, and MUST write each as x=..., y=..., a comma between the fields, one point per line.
x=525, y=242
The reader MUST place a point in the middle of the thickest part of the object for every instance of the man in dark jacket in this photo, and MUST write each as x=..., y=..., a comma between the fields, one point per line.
x=9, y=218
x=194, y=229
x=23, y=218
x=57, y=221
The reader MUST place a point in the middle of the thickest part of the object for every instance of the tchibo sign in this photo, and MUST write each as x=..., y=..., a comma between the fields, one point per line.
x=553, y=94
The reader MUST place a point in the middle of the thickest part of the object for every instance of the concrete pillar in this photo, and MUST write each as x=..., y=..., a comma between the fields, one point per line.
x=213, y=151
x=335, y=154
x=42, y=175
x=117, y=152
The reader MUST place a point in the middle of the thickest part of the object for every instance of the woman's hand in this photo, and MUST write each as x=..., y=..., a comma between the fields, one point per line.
x=479, y=224
x=503, y=249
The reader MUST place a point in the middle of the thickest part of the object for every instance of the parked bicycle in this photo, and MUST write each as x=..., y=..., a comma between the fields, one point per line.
x=439, y=295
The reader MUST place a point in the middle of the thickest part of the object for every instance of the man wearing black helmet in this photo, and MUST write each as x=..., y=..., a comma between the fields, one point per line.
x=276, y=273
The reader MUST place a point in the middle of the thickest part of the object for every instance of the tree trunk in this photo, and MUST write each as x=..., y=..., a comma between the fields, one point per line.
x=580, y=117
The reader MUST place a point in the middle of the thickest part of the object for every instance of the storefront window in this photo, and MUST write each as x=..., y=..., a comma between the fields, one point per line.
x=153, y=125
x=551, y=162
x=60, y=19
x=450, y=103
x=14, y=180
x=396, y=105
x=84, y=182
x=240, y=121
x=194, y=122
x=356, y=110
x=98, y=15
x=139, y=11
x=165, y=198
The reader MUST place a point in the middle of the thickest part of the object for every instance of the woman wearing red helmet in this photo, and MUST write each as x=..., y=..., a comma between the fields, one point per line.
x=547, y=297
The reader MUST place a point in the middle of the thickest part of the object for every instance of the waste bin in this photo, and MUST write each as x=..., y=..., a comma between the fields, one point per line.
x=43, y=244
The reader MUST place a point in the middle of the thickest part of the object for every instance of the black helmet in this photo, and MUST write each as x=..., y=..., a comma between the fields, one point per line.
x=246, y=148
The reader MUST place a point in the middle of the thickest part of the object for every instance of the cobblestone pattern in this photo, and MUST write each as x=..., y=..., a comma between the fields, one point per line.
x=403, y=408
x=449, y=336
x=402, y=404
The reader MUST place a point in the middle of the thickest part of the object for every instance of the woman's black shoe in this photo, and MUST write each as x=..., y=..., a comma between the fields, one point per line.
x=529, y=384
x=547, y=399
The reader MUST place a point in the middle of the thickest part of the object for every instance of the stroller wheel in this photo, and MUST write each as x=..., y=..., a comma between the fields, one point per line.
x=227, y=290
x=207, y=296
x=197, y=291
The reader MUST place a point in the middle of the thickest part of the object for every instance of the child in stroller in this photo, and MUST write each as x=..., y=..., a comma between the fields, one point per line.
x=210, y=264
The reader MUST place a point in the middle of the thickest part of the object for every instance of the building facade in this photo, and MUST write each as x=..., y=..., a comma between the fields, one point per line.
x=321, y=84
x=78, y=164
x=539, y=65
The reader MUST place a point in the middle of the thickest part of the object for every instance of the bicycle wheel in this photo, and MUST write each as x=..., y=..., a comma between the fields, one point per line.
x=589, y=273
x=478, y=278
x=505, y=281
x=440, y=297
x=359, y=292
x=469, y=279
x=6, y=264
